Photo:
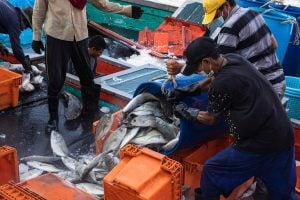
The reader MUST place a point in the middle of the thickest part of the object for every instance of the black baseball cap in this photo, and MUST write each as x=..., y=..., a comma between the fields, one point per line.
x=196, y=51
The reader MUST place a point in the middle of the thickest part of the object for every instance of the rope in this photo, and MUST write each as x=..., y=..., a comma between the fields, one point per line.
x=172, y=79
x=266, y=11
x=272, y=1
x=285, y=7
x=297, y=34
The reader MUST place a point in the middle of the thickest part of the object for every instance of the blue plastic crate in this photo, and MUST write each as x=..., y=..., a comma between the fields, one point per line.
x=293, y=105
x=293, y=84
x=293, y=93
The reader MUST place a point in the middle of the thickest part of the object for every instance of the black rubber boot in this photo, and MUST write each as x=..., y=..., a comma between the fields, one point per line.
x=90, y=98
x=199, y=196
x=53, y=111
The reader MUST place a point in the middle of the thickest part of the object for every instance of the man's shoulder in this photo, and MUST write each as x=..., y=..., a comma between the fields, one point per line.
x=242, y=16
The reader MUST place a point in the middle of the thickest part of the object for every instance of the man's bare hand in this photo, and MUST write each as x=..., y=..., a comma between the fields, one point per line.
x=205, y=84
x=173, y=67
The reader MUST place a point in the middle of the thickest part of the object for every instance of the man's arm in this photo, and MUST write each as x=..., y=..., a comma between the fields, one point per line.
x=14, y=37
x=112, y=7
x=38, y=18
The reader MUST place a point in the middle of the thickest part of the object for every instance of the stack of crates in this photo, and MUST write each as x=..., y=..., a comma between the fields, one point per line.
x=143, y=174
x=9, y=165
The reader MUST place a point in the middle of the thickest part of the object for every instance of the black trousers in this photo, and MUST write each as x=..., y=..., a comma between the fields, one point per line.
x=58, y=54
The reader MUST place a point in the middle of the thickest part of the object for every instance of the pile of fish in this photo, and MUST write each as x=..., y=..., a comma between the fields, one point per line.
x=85, y=172
x=146, y=121
x=29, y=81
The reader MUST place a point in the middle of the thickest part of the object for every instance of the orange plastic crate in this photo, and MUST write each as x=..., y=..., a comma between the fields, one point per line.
x=193, y=164
x=180, y=154
x=116, y=121
x=52, y=187
x=9, y=165
x=143, y=174
x=12, y=191
x=9, y=88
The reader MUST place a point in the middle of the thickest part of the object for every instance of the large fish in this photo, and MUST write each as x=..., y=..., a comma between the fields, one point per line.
x=169, y=131
x=139, y=100
x=58, y=144
x=153, y=137
x=23, y=168
x=100, y=175
x=85, y=170
x=70, y=176
x=143, y=121
x=129, y=136
x=74, y=106
x=92, y=189
x=111, y=161
x=46, y=159
x=43, y=166
x=103, y=126
x=112, y=143
x=30, y=174
x=148, y=108
x=71, y=163
x=171, y=144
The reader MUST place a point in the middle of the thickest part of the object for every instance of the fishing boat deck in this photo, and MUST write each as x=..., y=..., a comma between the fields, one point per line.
x=23, y=127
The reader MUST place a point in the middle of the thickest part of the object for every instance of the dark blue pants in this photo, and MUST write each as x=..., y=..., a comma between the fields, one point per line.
x=230, y=168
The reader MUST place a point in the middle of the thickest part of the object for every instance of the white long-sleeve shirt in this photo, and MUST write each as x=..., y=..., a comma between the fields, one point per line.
x=65, y=22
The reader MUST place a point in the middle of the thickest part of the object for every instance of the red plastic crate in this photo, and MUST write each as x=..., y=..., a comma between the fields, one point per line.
x=9, y=165
x=143, y=174
x=52, y=187
x=12, y=191
x=172, y=36
x=9, y=88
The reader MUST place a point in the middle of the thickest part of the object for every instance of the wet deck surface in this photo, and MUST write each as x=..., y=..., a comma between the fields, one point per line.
x=24, y=127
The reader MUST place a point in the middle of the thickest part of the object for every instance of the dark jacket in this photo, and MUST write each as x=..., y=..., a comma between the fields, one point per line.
x=10, y=18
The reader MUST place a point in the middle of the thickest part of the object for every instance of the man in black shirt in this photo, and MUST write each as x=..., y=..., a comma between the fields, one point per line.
x=259, y=124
